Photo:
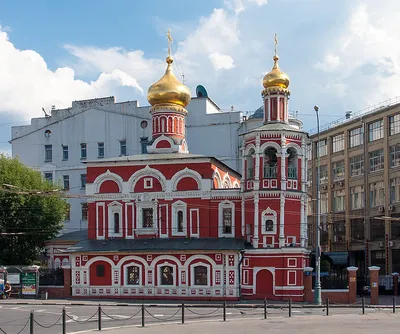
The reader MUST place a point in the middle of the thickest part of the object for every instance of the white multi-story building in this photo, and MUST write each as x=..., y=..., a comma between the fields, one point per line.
x=60, y=143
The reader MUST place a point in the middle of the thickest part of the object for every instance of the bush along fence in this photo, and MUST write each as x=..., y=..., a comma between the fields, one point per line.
x=142, y=314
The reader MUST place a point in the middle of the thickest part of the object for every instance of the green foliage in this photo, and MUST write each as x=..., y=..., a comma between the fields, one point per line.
x=30, y=209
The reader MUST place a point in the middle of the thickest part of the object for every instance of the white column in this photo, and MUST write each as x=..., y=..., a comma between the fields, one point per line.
x=256, y=215
x=282, y=222
x=302, y=222
x=267, y=104
x=243, y=181
x=283, y=162
x=257, y=164
x=278, y=116
x=286, y=108
x=243, y=216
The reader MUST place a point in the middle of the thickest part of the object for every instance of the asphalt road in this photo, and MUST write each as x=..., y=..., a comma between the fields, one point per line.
x=47, y=318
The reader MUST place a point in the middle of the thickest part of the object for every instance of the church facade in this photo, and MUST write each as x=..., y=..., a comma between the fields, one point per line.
x=173, y=225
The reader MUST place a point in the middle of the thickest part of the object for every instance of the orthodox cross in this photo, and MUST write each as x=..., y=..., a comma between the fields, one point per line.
x=276, y=44
x=169, y=42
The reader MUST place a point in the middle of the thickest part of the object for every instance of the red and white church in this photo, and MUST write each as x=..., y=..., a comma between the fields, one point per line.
x=175, y=225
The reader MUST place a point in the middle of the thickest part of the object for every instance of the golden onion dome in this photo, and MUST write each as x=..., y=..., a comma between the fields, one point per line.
x=168, y=90
x=276, y=78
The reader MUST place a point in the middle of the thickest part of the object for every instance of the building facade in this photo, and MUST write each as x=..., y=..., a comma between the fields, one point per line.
x=360, y=187
x=171, y=224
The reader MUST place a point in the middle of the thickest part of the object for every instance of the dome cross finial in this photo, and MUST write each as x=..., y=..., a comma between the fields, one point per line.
x=170, y=40
x=276, y=45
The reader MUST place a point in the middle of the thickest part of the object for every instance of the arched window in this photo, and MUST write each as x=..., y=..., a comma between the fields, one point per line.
x=270, y=163
x=133, y=275
x=227, y=220
x=167, y=275
x=200, y=275
x=292, y=163
x=269, y=225
x=116, y=223
x=180, y=220
x=250, y=164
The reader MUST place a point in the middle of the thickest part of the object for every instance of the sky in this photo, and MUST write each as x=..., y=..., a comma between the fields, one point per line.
x=341, y=55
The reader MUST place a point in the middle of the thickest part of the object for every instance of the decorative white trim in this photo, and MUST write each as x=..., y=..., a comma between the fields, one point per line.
x=268, y=214
x=272, y=144
x=227, y=183
x=132, y=231
x=221, y=206
x=294, y=259
x=159, y=271
x=217, y=176
x=147, y=171
x=186, y=173
x=125, y=273
x=100, y=205
x=163, y=235
x=288, y=276
x=248, y=148
x=191, y=211
x=245, y=277
x=139, y=217
x=192, y=276
x=256, y=270
x=298, y=149
x=176, y=207
x=148, y=183
x=107, y=176
x=113, y=208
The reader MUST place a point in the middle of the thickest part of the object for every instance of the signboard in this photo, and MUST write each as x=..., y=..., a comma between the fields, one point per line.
x=28, y=282
x=322, y=274
x=14, y=279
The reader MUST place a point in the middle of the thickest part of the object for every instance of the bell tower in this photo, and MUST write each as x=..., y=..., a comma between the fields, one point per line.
x=275, y=93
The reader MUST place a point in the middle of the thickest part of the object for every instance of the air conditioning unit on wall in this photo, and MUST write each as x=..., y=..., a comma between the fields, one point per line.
x=391, y=207
x=381, y=209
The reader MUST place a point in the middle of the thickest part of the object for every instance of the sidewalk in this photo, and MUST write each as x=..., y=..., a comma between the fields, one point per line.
x=357, y=324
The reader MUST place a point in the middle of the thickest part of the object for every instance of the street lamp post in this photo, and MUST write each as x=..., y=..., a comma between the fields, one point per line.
x=317, y=288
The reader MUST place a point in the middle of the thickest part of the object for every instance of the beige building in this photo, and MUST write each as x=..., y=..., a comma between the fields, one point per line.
x=360, y=187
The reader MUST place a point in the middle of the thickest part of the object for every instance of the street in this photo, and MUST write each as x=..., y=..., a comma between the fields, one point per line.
x=47, y=318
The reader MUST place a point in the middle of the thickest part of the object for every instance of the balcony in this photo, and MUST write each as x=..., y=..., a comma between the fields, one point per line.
x=292, y=173
x=270, y=172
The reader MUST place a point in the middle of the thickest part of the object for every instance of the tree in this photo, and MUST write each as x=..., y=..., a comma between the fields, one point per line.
x=31, y=212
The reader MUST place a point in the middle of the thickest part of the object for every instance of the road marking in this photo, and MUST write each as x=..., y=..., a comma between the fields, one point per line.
x=228, y=313
x=158, y=315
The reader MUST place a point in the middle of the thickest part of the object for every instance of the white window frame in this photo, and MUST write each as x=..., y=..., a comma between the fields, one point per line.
x=322, y=147
x=355, y=162
x=357, y=197
x=395, y=190
x=376, y=193
x=174, y=268
x=221, y=206
x=192, y=276
x=394, y=152
x=139, y=218
x=338, y=201
x=179, y=206
x=375, y=130
x=338, y=143
x=338, y=170
x=376, y=161
x=268, y=214
x=148, y=183
x=115, y=207
x=125, y=271
x=394, y=124
x=356, y=137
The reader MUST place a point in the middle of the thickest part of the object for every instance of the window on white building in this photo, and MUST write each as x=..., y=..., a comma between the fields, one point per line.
x=375, y=130
x=144, y=142
x=133, y=275
x=65, y=152
x=357, y=197
x=395, y=155
x=100, y=150
x=322, y=148
x=309, y=152
x=394, y=124
x=200, y=275
x=338, y=143
x=122, y=147
x=309, y=176
x=83, y=181
x=357, y=165
x=376, y=160
x=269, y=221
x=83, y=151
x=338, y=170
x=167, y=275
x=338, y=200
x=48, y=153
x=376, y=193
x=395, y=190
x=270, y=163
x=226, y=219
x=66, y=182
x=68, y=212
x=356, y=137
x=84, y=211
x=48, y=177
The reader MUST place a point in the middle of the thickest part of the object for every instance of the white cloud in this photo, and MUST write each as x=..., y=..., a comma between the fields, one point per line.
x=27, y=84
x=364, y=60
x=221, y=61
x=259, y=2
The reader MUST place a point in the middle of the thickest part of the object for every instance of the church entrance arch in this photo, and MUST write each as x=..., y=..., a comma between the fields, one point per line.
x=264, y=284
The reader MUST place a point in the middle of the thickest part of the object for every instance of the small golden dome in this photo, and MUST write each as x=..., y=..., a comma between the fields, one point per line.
x=276, y=78
x=168, y=90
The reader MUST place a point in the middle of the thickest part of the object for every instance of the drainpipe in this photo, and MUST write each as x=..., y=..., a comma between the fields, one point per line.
x=239, y=271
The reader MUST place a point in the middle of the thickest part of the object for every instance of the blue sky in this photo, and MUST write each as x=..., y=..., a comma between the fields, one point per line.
x=342, y=55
